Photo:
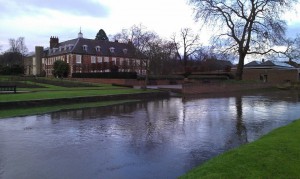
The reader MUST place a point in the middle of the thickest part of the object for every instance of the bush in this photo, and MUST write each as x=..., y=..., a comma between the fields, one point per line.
x=60, y=69
x=12, y=70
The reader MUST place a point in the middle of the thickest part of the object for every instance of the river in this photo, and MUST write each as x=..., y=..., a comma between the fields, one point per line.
x=161, y=138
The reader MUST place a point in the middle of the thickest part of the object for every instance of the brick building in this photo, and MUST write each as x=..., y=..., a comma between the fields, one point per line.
x=90, y=56
x=271, y=72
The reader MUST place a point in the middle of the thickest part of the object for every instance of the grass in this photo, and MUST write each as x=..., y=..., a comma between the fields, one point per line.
x=275, y=155
x=51, y=91
x=67, y=93
x=55, y=89
x=46, y=109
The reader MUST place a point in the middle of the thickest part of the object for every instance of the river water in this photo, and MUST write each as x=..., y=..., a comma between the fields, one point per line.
x=154, y=139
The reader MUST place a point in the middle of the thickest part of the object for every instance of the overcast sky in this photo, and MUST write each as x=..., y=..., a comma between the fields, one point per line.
x=37, y=20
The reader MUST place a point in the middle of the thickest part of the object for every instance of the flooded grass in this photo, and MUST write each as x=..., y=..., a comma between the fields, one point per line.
x=275, y=155
x=47, y=109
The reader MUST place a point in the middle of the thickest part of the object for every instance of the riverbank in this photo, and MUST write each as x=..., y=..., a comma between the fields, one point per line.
x=42, y=95
x=275, y=155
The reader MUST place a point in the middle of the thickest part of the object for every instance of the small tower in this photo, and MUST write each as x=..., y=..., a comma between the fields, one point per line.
x=80, y=35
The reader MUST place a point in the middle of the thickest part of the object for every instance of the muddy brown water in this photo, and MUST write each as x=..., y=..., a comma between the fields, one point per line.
x=154, y=139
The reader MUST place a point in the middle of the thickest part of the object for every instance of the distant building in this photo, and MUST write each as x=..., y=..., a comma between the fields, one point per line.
x=86, y=56
x=271, y=71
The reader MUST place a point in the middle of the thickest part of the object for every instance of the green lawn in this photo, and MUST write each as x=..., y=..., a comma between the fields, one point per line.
x=50, y=91
x=66, y=93
x=275, y=155
x=57, y=89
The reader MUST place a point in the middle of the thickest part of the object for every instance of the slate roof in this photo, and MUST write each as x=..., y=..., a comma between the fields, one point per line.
x=268, y=64
x=76, y=46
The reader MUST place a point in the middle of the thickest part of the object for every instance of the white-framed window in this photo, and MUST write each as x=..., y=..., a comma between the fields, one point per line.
x=125, y=51
x=78, y=59
x=137, y=62
x=68, y=60
x=98, y=48
x=85, y=47
x=70, y=46
x=114, y=61
x=106, y=59
x=93, y=59
x=126, y=62
x=99, y=59
x=112, y=49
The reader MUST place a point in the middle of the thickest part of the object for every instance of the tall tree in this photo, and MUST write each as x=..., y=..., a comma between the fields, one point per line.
x=101, y=35
x=18, y=45
x=249, y=26
x=188, y=42
x=292, y=51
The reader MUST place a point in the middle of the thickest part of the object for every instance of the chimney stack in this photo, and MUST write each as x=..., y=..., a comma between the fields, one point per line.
x=54, y=41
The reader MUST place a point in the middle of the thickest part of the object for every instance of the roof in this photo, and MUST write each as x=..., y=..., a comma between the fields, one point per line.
x=93, y=47
x=268, y=64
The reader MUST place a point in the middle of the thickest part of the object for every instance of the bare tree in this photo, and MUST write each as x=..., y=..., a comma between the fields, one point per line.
x=292, y=51
x=18, y=45
x=246, y=26
x=141, y=39
x=188, y=43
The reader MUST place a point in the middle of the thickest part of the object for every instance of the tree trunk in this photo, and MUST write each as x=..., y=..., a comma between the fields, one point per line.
x=240, y=67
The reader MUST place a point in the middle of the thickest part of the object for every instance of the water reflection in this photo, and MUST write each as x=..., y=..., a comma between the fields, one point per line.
x=154, y=139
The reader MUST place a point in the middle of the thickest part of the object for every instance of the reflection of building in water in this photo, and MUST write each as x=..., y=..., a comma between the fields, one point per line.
x=87, y=113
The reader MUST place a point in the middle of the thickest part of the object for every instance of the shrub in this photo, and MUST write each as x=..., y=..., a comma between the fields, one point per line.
x=60, y=69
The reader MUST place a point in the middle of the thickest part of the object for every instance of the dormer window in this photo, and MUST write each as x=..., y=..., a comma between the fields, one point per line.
x=98, y=48
x=70, y=46
x=54, y=50
x=112, y=49
x=125, y=51
x=85, y=47
x=60, y=48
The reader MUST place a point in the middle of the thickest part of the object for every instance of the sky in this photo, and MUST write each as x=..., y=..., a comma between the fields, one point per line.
x=38, y=20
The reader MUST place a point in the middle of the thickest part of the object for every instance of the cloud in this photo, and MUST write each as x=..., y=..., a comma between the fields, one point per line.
x=76, y=7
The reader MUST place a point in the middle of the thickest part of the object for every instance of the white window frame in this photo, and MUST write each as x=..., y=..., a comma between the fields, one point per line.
x=78, y=59
x=112, y=49
x=99, y=59
x=93, y=59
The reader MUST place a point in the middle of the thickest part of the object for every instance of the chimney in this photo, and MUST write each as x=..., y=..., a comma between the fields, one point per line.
x=263, y=60
x=54, y=41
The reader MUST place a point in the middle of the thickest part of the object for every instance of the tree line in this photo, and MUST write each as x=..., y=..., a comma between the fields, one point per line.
x=245, y=28
x=12, y=60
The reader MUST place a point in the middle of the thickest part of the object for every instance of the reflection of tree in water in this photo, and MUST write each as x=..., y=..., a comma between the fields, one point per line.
x=239, y=136
x=157, y=123
x=241, y=130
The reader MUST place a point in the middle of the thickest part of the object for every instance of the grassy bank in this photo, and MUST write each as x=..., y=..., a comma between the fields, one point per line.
x=31, y=89
x=46, y=109
x=275, y=155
